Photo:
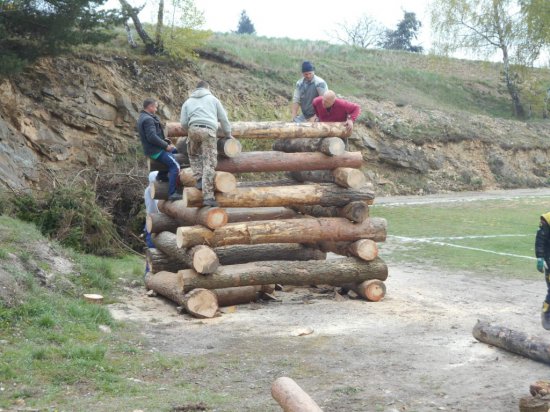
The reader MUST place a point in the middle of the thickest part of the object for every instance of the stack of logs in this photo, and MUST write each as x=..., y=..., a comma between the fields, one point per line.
x=267, y=233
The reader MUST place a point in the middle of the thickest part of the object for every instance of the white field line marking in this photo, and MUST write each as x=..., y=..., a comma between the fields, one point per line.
x=468, y=237
x=419, y=240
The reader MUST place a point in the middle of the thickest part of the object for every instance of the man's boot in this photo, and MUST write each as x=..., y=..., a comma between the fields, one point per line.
x=545, y=316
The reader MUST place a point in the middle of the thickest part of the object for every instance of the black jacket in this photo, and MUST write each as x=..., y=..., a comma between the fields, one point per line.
x=542, y=241
x=151, y=133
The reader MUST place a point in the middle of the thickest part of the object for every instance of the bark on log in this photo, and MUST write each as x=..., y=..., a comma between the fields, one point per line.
x=267, y=161
x=159, y=191
x=159, y=222
x=167, y=284
x=335, y=272
x=373, y=290
x=532, y=347
x=231, y=255
x=291, y=397
x=223, y=182
x=201, y=258
x=159, y=261
x=326, y=194
x=331, y=146
x=342, y=176
x=355, y=211
x=201, y=303
x=247, y=214
x=530, y=404
x=365, y=249
x=283, y=231
x=211, y=217
x=273, y=130
x=237, y=296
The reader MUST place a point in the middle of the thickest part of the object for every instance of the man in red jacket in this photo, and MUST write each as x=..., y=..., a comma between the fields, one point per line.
x=330, y=109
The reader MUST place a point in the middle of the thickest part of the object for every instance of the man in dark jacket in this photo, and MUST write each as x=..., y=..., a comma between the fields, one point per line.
x=157, y=146
x=542, y=252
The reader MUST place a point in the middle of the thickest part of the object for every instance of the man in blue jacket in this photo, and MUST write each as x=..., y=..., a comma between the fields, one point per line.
x=157, y=146
x=542, y=252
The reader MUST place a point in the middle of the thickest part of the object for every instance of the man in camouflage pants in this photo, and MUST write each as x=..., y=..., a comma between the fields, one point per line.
x=199, y=116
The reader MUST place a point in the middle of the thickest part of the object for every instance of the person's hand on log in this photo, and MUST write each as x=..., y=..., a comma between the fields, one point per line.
x=540, y=265
x=170, y=148
x=349, y=125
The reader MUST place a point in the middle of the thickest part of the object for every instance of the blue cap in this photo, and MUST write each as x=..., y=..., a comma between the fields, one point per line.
x=307, y=67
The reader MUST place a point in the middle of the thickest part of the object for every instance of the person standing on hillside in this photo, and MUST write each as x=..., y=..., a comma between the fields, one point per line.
x=307, y=88
x=328, y=108
x=157, y=146
x=200, y=114
x=542, y=252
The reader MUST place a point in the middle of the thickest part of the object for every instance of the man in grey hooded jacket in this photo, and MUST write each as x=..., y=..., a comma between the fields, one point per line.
x=200, y=115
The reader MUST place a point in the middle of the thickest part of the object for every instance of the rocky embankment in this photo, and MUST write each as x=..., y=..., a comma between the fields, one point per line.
x=67, y=115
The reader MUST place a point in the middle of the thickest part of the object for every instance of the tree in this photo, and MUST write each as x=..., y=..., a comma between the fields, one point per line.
x=537, y=17
x=30, y=29
x=177, y=31
x=365, y=32
x=402, y=36
x=488, y=26
x=245, y=24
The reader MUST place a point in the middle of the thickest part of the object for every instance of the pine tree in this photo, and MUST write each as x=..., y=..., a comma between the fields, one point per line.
x=402, y=36
x=245, y=24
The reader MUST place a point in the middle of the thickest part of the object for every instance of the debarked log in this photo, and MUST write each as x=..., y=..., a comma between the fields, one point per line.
x=273, y=130
x=342, y=176
x=533, y=347
x=283, y=231
x=291, y=397
x=271, y=161
x=335, y=272
x=331, y=146
x=211, y=217
x=326, y=194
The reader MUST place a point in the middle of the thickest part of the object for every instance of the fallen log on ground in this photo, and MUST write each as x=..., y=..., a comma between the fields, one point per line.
x=211, y=217
x=335, y=272
x=342, y=176
x=331, y=146
x=365, y=249
x=237, y=296
x=373, y=290
x=291, y=397
x=326, y=194
x=271, y=161
x=200, y=257
x=283, y=231
x=200, y=303
x=357, y=211
x=532, y=347
x=273, y=130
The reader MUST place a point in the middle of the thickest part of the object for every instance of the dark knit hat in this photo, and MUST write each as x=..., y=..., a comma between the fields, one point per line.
x=307, y=67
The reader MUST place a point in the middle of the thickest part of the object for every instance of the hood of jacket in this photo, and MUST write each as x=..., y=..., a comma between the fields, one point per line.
x=546, y=217
x=198, y=93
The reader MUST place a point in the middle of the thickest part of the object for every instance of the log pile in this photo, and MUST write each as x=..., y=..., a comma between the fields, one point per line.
x=267, y=233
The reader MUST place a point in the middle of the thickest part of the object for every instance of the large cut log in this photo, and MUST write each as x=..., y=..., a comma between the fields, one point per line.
x=355, y=211
x=273, y=130
x=271, y=161
x=532, y=347
x=365, y=249
x=291, y=397
x=373, y=290
x=159, y=261
x=211, y=217
x=201, y=258
x=200, y=303
x=223, y=182
x=283, y=231
x=227, y=146
x=336, y=272
x=247, y=214
x=342, y=176
x=530, y=404
x=231, y=255
x=331, y=146
x=159, y=222
x=237, y=296
x=326, y=194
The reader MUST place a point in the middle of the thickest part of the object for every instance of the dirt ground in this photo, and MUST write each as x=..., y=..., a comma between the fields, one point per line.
x=413, y=351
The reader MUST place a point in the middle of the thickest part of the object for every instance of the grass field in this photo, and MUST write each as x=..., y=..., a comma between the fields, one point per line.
x=450, y=235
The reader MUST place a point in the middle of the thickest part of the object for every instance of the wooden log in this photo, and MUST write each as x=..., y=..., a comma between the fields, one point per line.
x=365, y=249
x=335, y=272
x=271, y=161
x=159, y=222
x=159, y=191
x=373, y=290
x=237, y=296
x=326, y=194
x=201, y=258
x=342, y=176
x=273, y=130
x=229, y=147
x=530, y=404
x=247, y=214
x=211, y=217
x=357, y=211
x=231, y=255
x=331, y=146
x=223, y=182
x=283, y=231
x=167, y=284
x=159, y=261
x=291, y=397
x=532, y=347
x=200, y=303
